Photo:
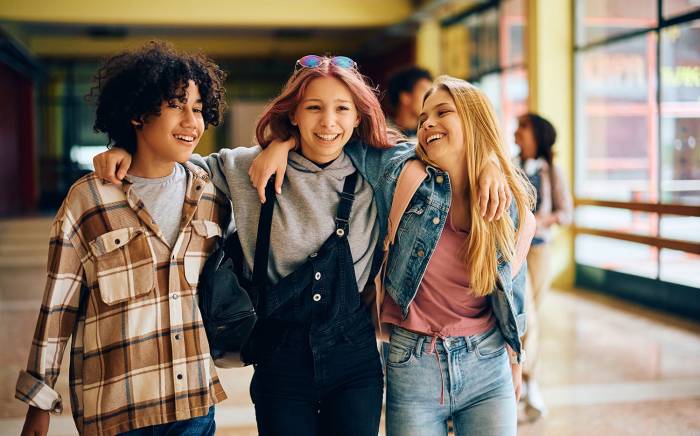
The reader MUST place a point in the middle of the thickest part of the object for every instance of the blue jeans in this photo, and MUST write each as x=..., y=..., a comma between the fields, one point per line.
x=473, y=377
x=200, y=426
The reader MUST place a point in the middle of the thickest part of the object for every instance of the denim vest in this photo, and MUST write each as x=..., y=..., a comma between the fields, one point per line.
x=419, y=232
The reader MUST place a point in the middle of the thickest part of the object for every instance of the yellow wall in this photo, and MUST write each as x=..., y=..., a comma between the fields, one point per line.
x=230, y=13
x=549, y=64
x=428, y=47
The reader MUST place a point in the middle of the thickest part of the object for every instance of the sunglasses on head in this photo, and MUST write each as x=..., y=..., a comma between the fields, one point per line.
x=313, y=61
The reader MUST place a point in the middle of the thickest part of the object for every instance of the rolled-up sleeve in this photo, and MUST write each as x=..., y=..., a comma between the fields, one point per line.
x=56, y=322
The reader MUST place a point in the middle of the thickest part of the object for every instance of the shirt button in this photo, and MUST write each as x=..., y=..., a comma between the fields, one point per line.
x=317, y=297
x=420, y=253
x=117, y=241
x=317, y=276
x=177, y=336
x=174, y=296
x=179, y=376
x=436, y=220
x=439, y=179
x=198, y=187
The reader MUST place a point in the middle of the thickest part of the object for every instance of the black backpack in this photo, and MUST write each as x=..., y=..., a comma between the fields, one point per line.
x=228, y=301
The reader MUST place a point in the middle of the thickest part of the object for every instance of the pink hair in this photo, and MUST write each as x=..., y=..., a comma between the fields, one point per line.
x=275, y=121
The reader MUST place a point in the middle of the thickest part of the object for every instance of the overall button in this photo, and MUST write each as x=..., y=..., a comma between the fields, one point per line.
x=317, y=297
x=436, y=220
x=317, y=276
x=340, y=232
x=313, y=255
x=420, y=253
x=439, y=179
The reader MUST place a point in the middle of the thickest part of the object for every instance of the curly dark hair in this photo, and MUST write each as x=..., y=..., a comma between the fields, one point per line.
x=133, y=85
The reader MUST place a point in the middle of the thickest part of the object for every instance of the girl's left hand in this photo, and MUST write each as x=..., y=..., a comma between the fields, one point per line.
x=517, y=372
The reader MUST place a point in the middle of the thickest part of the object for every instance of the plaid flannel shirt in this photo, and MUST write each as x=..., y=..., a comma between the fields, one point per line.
x=139, y=354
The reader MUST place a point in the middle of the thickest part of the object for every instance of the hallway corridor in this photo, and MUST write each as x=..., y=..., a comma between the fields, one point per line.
x=608, y=367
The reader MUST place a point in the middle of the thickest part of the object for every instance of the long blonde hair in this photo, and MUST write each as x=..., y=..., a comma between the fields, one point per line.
x=483, y=139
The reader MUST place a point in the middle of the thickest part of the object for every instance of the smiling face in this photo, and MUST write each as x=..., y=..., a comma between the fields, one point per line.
x=326, y=117
x=172, y=135
x=440, y=130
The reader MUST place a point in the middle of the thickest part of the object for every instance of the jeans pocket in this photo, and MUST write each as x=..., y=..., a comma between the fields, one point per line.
x=399, y=355
x=492, y=345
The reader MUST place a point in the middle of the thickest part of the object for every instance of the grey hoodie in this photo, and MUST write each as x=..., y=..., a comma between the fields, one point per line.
x=304, y=215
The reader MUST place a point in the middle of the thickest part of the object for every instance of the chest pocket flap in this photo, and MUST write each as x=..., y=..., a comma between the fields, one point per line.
x=124, y=263
x=205, y=228
x=205, y=234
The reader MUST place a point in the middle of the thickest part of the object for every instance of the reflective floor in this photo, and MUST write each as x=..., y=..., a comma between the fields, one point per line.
x=607, y=367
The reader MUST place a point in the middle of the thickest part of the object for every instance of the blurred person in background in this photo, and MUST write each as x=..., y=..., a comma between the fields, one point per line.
x=536, y=137
x=406, y=89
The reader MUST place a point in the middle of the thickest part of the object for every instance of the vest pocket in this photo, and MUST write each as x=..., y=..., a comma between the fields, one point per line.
x=203, y=238
x=124, y=264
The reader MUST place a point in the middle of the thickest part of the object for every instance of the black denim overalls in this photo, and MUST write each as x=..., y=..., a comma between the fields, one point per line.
x=321, y=373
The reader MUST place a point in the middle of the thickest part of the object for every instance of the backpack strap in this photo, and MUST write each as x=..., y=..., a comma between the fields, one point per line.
x=411, y=177
x=262, y=243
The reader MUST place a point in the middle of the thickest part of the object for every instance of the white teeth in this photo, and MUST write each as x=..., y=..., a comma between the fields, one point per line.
x=434, y=137
x=328, y=137
x=185, y=138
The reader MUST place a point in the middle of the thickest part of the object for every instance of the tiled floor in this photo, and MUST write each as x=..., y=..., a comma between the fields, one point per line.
x=607, y=368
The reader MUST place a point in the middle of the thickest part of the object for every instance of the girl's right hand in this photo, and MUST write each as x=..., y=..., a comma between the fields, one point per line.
x=272, y=160
x=112, y=165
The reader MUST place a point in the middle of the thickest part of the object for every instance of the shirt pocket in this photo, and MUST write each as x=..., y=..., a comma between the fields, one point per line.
x=124, y=264
x=203, y=239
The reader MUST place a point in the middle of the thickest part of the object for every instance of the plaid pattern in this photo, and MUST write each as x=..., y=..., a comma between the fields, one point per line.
x=139, y=354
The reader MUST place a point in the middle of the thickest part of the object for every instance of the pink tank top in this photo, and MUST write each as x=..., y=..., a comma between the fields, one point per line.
x=444, y=304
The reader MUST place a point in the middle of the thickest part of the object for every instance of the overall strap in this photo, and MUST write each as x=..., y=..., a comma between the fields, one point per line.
x=262, y=243
x=347, y=197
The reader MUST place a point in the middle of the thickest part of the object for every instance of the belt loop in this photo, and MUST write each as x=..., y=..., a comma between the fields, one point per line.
x=471, y=343
x=419, y=346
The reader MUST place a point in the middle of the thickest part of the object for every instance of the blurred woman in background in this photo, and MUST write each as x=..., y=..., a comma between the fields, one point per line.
x=536, y=137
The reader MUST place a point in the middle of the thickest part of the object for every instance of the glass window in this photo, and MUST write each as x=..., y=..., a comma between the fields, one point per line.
x=482, y=38
x=615, y=255
x=616, y=155
x=618, y=220
x=676, y=267
x=679, y=7
x=513, y=19
x=680, y=114
x=597, y=20
x=683, y=228
x=514, y=104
